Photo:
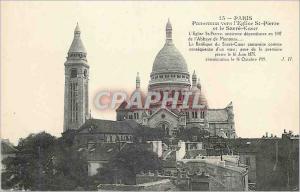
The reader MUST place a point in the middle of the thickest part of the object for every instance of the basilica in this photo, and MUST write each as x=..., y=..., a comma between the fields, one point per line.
x=169, y=74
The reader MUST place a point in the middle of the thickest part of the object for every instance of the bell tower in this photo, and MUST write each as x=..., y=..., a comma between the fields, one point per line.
x=76, y=107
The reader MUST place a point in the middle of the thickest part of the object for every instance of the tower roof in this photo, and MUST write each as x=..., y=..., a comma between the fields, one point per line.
x=77, y=45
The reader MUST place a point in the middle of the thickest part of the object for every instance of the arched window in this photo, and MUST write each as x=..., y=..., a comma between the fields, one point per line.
x=173, y=93
x=202, y=114
x=187, y=114
x=73, y=73
x=136, y=115
x=195, y=114
x=85, y=73
x=167, y=131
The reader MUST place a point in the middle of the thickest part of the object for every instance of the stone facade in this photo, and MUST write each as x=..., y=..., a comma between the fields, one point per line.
x=220, y=176
x=161, y=185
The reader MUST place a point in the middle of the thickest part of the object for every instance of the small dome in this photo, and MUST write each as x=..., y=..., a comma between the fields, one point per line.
x=169, y=59
x=195, y=90
x=134, y=97
x=202, y=97
x=203, y=100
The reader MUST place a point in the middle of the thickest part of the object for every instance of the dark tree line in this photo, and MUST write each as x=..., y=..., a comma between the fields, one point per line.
x=44, y=162
x=123, y=167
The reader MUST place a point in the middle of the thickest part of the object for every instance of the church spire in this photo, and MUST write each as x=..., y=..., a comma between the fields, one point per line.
x=137, y=81
x=169, y=32
x=76, y=105
x=194, y=79
x=77, y=31
x=77, y=45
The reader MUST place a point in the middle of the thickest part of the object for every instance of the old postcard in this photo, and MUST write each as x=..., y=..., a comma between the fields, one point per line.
x=150, y=95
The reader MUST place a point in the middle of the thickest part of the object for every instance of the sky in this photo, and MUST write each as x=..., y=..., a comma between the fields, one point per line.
x=122, y=39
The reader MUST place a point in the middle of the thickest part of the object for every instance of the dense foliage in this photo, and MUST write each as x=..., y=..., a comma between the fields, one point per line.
x=44, y=162
x=193, y=134
x=126, y=164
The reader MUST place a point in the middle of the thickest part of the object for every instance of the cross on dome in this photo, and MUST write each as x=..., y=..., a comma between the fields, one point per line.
x=169, y=32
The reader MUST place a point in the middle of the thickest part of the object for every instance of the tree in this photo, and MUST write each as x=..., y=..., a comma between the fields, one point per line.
x=194, y=133
x=127, y=163
x=27, y=169
x=44, y=162
x=143, y=134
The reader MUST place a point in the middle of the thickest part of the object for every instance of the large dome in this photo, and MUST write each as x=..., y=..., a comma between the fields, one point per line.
x=169, y=59
x=169, y=68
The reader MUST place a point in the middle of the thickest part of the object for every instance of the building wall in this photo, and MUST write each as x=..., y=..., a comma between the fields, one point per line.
x=93, y=167
x=180, y=153
x=221, y=178
x=149, y=177
x=156, y=147
x=214, y=127
x=194, y=145
x=83, y=139
x=161, y=185
x=278, y=164
x=274, y=162
x=166, y=118
x=250, y=161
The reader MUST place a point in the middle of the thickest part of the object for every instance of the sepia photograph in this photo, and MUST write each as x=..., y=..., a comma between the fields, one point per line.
x=149, y=95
